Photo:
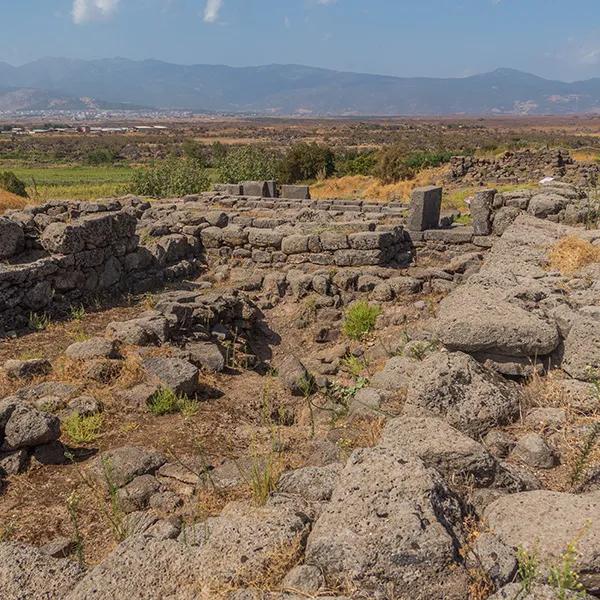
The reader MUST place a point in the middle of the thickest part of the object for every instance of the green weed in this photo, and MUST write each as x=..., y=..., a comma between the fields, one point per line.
x=83, y=430
x=360, y=319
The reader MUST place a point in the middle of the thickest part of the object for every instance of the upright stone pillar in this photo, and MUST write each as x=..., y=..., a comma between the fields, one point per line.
x=425, y=207
x=481, y=212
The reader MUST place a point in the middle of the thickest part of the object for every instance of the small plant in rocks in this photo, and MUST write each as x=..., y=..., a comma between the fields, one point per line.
x=166, y=402
x=83, y=430
x=360, y=319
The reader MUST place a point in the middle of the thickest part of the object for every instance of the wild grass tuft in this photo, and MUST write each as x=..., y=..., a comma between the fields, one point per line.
x=360, y=319
x=83, y=430
x=167, y=402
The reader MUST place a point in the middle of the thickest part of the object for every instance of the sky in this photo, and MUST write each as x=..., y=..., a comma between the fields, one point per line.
x=435, y=38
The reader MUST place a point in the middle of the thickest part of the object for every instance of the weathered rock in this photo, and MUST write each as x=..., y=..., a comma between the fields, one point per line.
x=12, y=238
x=174, y=374
x=122, y=465
x=137, y=493
x=143, y=567
x=27, y=573
x=145, y=331
x=27, y=369
x=481, y=211
x=396, y=374
x=425, y=208
x=581, y=358
x=391, y=522
x=242, y=541
x=305, y=579
x=474, y=321
x=28, y=427
x=315, y=484
x=294, y=376
x=455, y=386
x=497, y=560
x=534, y=451
x=93, y=348
x=456, y=456
x=546, y=523
x=206, y=355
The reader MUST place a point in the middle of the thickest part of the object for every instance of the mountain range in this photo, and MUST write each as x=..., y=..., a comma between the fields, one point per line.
x=70, y=84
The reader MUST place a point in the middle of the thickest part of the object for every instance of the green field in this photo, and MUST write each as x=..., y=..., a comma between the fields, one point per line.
x=75, y=183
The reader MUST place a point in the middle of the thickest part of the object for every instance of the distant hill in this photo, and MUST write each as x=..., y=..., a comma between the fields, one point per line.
x=290, y=89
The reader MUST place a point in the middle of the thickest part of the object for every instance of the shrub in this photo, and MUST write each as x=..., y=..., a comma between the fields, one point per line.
x=173, y=177
x=360, y=319
x=101, y=156
x=395, y=163
x=391, y=165
x=83, y=430
x=304, y=161
x=363, y=163
x=11, y=183
x=194, y=150
x=247, y=163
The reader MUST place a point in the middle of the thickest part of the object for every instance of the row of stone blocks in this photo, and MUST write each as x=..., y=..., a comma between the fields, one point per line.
x=264, y=189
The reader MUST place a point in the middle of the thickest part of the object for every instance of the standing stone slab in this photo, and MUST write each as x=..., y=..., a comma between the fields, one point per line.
x=481, y=211
x=425, y=206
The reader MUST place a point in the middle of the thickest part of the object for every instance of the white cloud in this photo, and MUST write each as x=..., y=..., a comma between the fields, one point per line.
x=212, y=10
x=93, y=10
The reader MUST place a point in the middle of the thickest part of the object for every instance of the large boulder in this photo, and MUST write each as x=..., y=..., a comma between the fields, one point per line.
x=391, y=523
x=141, y=568
x=27, y=573
x=27, y=427
x=456, y=456
x=241, y=544
x=468, y=396
x=174, y=374
x=546, y=523
x=473, y=320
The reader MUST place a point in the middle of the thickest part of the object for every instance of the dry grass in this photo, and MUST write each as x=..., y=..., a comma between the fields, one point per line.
x=361, y=187
x=8, y=200
x=571, y=254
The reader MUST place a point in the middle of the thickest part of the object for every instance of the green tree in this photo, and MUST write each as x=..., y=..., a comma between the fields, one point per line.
x=304, y=162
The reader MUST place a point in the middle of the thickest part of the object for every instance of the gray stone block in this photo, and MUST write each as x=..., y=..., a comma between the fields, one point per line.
x=256, y=188
x=425, y=206
x=295, y=192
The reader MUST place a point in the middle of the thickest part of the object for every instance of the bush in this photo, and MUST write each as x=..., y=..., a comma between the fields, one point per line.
x=11, y=183
x=101, y=156
x=360, y=319
x=391, y=165
x=247, y=163
x=304, y=161
x=396, y=164
x=194, y=150
x=363, y=163
x=173, y=177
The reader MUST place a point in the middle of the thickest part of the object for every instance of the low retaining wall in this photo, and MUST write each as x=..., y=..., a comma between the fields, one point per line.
x=57, y=256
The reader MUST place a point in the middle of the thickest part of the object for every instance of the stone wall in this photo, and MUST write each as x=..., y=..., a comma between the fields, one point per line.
x=523, y=167
x=63, y=254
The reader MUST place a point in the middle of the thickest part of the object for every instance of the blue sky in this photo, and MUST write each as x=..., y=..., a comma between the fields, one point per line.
x=553, y=38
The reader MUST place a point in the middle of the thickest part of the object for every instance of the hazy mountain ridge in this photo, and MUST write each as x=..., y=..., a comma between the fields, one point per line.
x=291, y=89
